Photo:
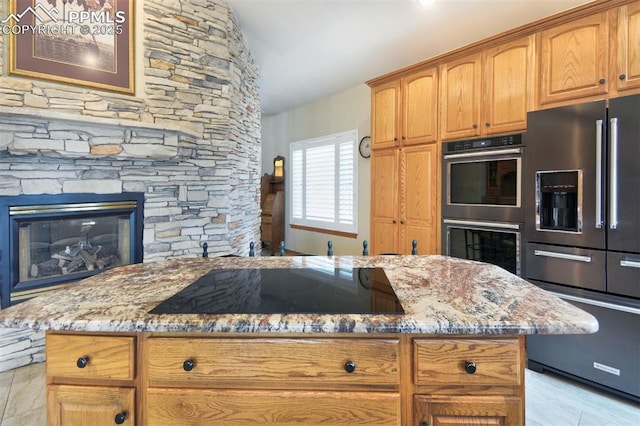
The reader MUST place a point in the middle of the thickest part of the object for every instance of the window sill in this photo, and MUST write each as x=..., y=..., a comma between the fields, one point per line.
x=325, y=231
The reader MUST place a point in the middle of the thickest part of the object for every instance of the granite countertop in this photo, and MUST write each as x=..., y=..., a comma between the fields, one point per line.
x=440, y=295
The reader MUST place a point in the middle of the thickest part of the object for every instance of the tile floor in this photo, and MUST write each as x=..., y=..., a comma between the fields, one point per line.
x=551, y=401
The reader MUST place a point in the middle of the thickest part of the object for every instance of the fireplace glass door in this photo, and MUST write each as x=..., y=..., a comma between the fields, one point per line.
x=64, y=246
x=52, y=243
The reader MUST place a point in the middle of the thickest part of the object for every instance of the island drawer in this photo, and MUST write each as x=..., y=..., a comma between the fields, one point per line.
x=90, y=357
x=467, y=361
x=298, y=362
x=178, y=407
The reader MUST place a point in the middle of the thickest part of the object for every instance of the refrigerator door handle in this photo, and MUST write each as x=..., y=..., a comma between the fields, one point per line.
x=630, y=263
x=564, y=256
x=613, y=186
x=599, y=221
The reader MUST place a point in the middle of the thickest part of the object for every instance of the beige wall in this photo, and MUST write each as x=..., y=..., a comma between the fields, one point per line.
x=343, y=111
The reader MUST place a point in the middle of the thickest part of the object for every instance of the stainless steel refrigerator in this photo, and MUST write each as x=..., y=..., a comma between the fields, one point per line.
x=582, y=219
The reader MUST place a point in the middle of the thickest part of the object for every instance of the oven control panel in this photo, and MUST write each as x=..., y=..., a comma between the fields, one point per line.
x=475, y=144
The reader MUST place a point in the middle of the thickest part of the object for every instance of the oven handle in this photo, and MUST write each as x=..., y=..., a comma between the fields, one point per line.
x=564, y=256
x=484, y=153
x=592, y=302
x=479, y=223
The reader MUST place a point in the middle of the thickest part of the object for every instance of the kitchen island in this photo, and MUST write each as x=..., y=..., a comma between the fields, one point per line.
x=445, y=344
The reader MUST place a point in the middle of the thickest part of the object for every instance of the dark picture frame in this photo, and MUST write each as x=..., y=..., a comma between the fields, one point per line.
x=81, y=42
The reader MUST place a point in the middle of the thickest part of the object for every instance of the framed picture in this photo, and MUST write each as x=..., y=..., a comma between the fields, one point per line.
x=82, y=42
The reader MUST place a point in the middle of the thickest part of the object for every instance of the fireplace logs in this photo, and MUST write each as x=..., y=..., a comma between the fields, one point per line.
x=79, y=256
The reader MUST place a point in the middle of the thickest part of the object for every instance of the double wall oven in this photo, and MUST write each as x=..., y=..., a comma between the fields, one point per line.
x=482, y=211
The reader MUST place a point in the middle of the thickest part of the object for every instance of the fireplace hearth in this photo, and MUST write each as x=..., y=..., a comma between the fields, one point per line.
x=54, y=240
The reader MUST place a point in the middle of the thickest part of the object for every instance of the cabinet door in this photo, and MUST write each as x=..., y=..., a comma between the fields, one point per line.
x=573, y=60
x=384, y=201
x=385, y=110
x=90, y=405
x=468, y=410
x=418, y=198
x=508, y=83
x=420, y=107
x=460, y=96
x=628, y=57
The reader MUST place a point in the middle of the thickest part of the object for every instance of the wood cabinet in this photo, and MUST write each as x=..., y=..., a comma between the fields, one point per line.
x=594, y=57
x=574, y=60
x=385, y=115
x=404, y=197
x=446, y=372
x=468, y=410
x=269, y=378
x=627, y=60
x=90, y=405
x=461, y=85
x=91, y=379
x=487, y=92
x=404, y=111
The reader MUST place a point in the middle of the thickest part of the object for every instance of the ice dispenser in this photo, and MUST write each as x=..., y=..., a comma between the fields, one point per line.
x=559, y=200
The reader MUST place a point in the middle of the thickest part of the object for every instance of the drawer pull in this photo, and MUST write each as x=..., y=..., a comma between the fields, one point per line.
x=82, y=362
x=563, y=256
x=188, y=365
x=470, y=367
x=349, y=367
x=120, y=418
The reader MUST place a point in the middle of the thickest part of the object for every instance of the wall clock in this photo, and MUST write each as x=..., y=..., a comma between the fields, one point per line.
x=365, y=147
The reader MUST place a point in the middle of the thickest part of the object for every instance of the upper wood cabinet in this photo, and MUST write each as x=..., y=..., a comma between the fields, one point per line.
x=404, y=111
x=461, y=82
x=574, y=60
x=507, y=86
x=385, y=107
x=627, y=71
x=420, y=107
x=488, y=92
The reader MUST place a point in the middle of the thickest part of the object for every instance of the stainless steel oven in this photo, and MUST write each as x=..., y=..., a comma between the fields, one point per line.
x=498, y=243
x=483, y=179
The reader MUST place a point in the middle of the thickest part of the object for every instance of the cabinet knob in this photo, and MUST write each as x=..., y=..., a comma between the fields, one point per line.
x=82, y=362
x=403, y=137
x=394, y=221
x=120, y=418
x=601, y=81
x=188, y=365
x=470, y=367
x=475, y=126
x=402, y=222
x=487, y=124
x=395, y=139
x=349, y=366
x=622, y=76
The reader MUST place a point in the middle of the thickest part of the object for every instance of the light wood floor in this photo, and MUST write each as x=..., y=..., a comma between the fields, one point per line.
x=551, y=401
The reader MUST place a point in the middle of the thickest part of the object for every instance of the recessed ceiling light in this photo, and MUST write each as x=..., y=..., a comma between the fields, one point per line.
x=426, y=2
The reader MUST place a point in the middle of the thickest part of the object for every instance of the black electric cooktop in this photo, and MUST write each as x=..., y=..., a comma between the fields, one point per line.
x=273, y=291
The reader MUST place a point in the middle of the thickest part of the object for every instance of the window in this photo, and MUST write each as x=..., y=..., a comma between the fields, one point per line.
x=324, y=182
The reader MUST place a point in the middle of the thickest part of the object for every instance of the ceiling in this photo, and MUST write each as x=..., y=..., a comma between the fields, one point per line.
x=309, y=49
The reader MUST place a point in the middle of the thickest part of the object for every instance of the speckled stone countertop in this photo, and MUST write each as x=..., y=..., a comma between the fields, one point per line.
x=440, y=295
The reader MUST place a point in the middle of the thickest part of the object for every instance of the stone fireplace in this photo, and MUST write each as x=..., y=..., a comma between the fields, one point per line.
x=188, y=140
